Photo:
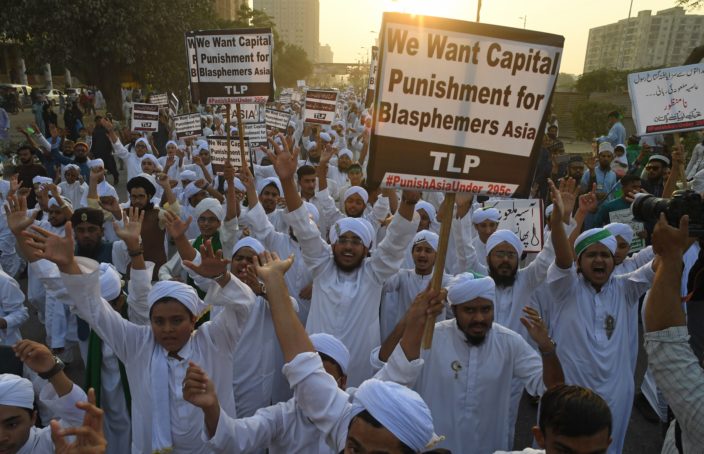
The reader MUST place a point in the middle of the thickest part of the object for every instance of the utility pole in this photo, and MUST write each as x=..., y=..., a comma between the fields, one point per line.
x=479, y=9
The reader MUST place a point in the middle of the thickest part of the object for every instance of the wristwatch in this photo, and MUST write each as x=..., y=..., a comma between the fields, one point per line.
x=551, y=351
x=58, y=367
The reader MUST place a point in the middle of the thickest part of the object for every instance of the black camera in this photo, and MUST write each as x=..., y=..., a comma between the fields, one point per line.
x=648, y=208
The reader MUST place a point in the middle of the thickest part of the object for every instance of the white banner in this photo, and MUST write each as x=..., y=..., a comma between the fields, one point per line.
x=320, y=106
x=145, y=117
x=187, y=125
x=300, y=83
x=255, y=134
x=524, y=217
x=668, y=100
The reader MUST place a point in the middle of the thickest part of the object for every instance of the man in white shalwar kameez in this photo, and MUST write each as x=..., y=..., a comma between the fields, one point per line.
x=346, y=285
x=156, y=357
x=591, y=312
x=468, y=372
x=13, y=312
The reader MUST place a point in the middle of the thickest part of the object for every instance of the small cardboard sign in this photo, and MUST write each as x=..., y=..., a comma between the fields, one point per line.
x=188, y=125
x=218, y=151
x=277, y=119
x=145, y=117
x=625, y=216
x=320, y=106
x=524, y=217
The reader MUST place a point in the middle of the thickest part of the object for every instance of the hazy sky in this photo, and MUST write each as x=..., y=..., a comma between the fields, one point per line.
x=347, y=24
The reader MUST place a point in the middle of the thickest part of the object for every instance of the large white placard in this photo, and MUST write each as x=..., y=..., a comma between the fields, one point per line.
x=218, y=150
x=460, y=100
x=230, y=66
x=524, y=217
x=668, y=100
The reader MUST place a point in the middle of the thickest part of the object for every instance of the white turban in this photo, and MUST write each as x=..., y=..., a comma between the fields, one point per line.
x=190, y=190
x=593, y=236
x=400, y=410
x=354, y=225
x=145, y=142
x=201, y=145
x=266, y=182
x=429, y=237
x=151, y=158
x=54, y=203
x=325, y=136
x=623, y=230
x=428, y=208
x=183, y=293
x=504, y=235
x=105, y=189
x=209, y=204
x=188, y=175
x=344, y=152
x=71, y=166
x=171, y=142
x=360, y=191
x=311, y=145
x=333, y=347
x=661, y=158
x=249, y=242
x=312, y=211
x=465, y=287
x=16, y=391
x=238, y=185
x=41, y=180
x=483, y=214
x=93, y=163
x=110, y=283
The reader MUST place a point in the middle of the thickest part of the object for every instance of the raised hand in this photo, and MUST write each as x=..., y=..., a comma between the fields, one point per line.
x=34, y=355
x=16, y=211
x=408, y=196
x=428, y=303
x=211, y=263
x=57, y=249
x=131, y=230
x=175, y=227
x=269, y=266
x=559, y=206
x=110, y=204
x=97, y=175
x=285, y=163
x=326, y=154
x=162, y=180
x=589, y=202
x=198, y=389
x=590, y=162
x=89, y=438
x=537, y=329
x=669, y=241
x=201, y=183
x=568, y=190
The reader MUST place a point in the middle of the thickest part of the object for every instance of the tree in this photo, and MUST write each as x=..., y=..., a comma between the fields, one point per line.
x=291, y=65
x=602, y=81
x=690, y=4
x=565, y=82
x=133, y=39
x=589, y=118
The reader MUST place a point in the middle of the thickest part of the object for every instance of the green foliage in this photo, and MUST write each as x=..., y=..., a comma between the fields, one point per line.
x=690, y=4
x=291, y=65
x=565, y=82
x=602, y=81
x=589, y=118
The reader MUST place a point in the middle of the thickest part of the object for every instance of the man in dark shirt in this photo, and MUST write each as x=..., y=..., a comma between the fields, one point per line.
x=27, y=170
x=101, y=148
x=654, y=182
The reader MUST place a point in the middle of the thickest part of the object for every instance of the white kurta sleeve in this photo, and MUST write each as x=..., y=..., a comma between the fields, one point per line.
x=228, y=236
x=11, y=304
x=120, y=256
x=561, y=282
x=388, y=256
x=528, y=366
x=120, y=151
x=467, y=250
x=316, y=252
x=318, y=397
x=399, y=369
x=263, y=230
x=328, y=209
x=122, y=336
x=65, y=406
x=380, y=209
x=243, y=435
x=638, y=282
x=640, y=258
x=238, y=300
x=138, y=288
x=537, y=270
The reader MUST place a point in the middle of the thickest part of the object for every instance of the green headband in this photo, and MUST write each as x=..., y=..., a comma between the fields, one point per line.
x=588, y=241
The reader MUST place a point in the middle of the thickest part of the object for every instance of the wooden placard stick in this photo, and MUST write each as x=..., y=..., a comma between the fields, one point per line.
x=227, y=128
x=439, y=268
x=683, y=176
x=240, y=130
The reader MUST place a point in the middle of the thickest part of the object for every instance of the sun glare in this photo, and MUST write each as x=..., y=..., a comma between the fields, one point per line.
x=439, y=8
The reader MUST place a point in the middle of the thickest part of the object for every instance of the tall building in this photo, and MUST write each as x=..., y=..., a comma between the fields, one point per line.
x=298, y=22
x=325, y=54
x=228, y=9
x=662, y=40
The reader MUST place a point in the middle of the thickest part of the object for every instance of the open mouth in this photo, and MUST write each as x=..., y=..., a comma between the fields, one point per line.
x=599, y=271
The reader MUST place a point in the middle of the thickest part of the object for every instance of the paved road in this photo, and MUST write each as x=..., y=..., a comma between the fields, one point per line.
x=643, y=437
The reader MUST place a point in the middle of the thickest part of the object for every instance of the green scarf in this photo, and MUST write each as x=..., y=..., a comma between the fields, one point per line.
x=217, y=246
x=95, y=361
